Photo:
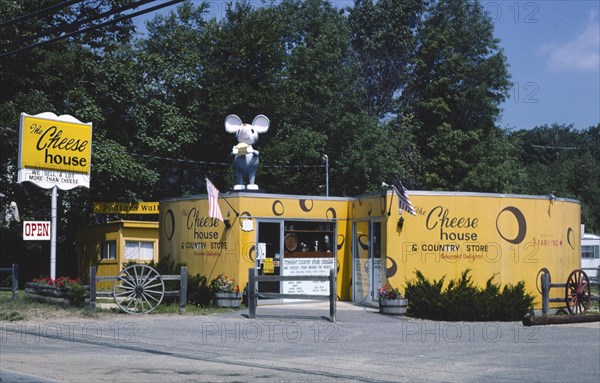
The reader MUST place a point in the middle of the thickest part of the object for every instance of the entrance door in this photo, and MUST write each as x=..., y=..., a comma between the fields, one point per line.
x=366, y=278
x=269, y=248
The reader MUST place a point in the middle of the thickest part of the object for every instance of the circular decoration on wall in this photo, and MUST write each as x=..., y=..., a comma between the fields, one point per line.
x=521, y=223
x=392, y=269
x=537, y=278
x=363, y=241
x=304, y=204
x=291, y=242
x=333, y=213
x=169, y=224
x=570, y=238
x=251, y=253
x=340, y=241
x=277, y=208
x=383, y=203
x=245, y=214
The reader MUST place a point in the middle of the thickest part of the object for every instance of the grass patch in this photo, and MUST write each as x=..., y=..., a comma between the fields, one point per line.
x=27, y=309
x=11, y=316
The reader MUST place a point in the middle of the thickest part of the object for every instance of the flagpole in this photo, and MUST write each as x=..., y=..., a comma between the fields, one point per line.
x=221, y=194
x=232, y=208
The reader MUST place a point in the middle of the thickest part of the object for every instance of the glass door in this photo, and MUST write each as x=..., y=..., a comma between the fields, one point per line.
x=268, y=254
x=366, y=253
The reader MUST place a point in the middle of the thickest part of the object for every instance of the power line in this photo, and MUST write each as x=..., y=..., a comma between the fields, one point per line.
x=42, y=11
x=79, y=23
x=221, y=163
x=106, y=23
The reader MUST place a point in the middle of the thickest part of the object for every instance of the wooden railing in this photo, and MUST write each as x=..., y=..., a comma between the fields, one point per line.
x=253, y=294
x=14, y=273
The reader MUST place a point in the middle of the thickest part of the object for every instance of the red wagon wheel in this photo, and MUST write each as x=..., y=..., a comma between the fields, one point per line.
x=577, y=292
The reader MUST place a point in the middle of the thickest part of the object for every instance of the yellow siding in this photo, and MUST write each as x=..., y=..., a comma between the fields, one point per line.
x=90, y=238
x=511, y=237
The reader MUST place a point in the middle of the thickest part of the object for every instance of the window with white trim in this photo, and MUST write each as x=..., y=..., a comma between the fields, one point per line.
x=590, y=251
x=108, y=250
x=139, y=250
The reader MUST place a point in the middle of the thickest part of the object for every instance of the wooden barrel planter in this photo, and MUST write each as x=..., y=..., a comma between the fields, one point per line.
x=228, y=299
x=393, y=306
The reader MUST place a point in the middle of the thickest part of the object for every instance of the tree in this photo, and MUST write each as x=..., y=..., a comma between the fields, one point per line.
x=382, y=36
x=560, y=160
x=457, y=84
x=63, y=77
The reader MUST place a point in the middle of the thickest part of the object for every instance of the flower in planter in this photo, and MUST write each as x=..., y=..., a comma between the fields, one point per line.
x=387, y=292
x=224, y=284
x=60, y=282
x=76, y=290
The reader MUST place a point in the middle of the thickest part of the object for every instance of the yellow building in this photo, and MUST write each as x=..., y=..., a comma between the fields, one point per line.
x=108, y=246
x=370, y=243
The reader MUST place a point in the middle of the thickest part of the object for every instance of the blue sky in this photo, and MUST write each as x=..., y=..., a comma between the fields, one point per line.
x=553, y=52
x=553, y=49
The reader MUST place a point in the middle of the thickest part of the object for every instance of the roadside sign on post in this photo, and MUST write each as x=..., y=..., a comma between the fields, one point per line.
x=55, y=152
x=36, y=230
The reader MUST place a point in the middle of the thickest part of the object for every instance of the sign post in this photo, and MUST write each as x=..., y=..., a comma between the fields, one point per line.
x=55, y=152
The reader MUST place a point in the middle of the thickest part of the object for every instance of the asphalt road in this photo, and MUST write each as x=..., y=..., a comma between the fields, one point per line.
x=296, y=343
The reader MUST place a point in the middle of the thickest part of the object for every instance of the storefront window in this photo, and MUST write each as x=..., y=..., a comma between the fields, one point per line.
x=308, y=239
x=308, y=250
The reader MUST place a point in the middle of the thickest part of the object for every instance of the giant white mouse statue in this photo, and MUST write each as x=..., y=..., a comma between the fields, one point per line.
x=245, y=161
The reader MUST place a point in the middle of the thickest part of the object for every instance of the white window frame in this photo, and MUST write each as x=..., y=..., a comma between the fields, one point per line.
x=138, y=250
x=108, y=248
x=590, y=252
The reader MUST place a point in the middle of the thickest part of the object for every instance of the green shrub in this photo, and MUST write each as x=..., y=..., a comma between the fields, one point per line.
x=198, y=292
x=425, y=298
x=77, y=294
x=462, y=300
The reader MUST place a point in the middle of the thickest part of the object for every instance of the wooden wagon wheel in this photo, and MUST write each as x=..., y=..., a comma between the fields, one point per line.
x=138, y=289
x=577, y=292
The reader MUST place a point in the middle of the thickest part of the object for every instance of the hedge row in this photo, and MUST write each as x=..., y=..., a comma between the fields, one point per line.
x=462, y=300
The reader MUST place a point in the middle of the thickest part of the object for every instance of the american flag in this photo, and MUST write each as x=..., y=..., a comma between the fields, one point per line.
x=214, y=211
x=403, y=200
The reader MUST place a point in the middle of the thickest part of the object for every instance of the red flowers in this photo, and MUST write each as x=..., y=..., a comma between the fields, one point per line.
x=60, y=282
x=224, y=284
x=387, y=292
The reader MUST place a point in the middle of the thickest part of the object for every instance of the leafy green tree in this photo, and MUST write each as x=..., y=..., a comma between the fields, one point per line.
x=561, y=160
x=547, y=152
x=319, y=93
x=383, y=42
x=584, y=180
x=63, y=77
x=458, y=82
x=497, y=168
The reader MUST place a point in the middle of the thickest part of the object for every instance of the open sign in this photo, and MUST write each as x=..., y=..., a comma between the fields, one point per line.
x=36, y=230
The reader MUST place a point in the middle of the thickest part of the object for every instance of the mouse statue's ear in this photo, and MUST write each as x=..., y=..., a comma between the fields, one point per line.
x=261, y=123
x=232, y=123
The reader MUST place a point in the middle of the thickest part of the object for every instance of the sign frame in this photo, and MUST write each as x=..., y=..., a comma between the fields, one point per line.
x=54, y=151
